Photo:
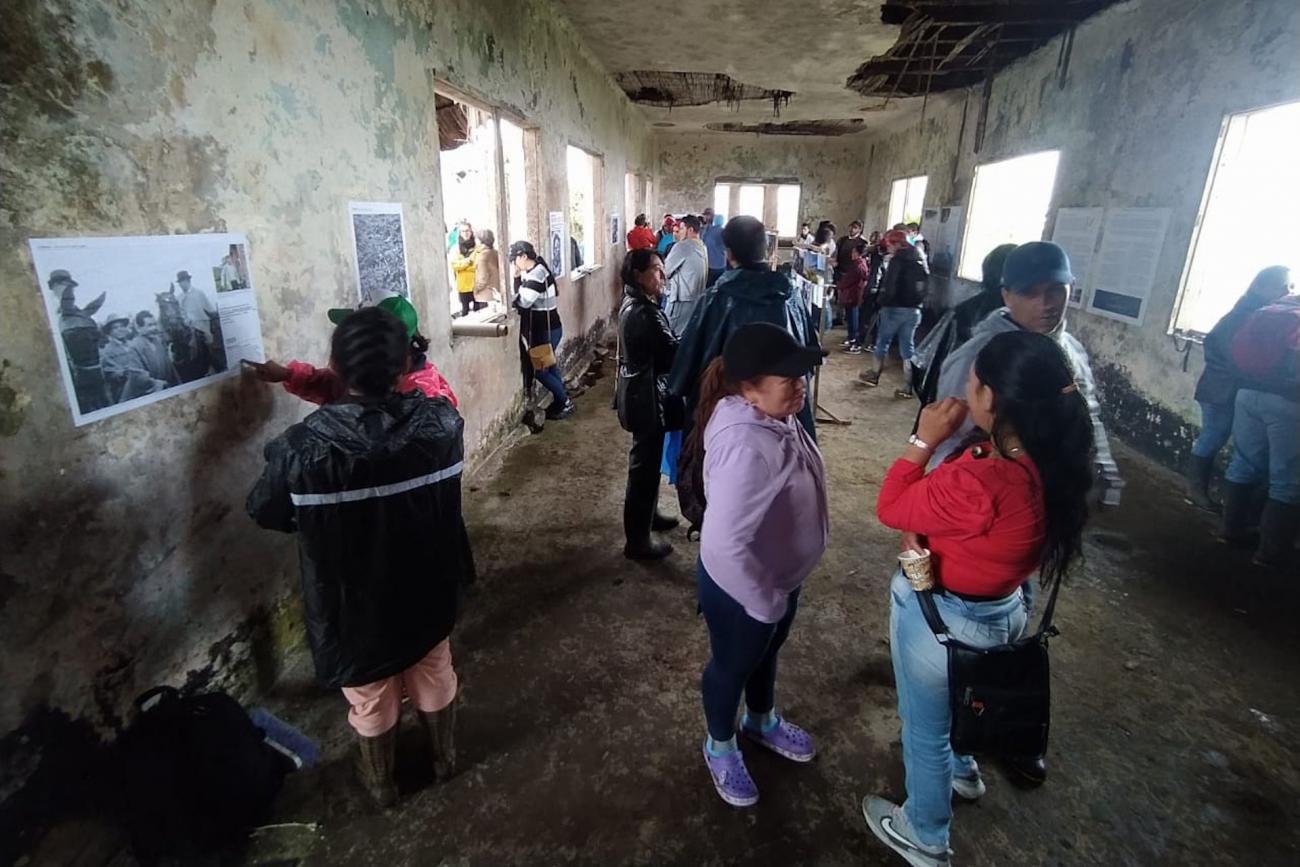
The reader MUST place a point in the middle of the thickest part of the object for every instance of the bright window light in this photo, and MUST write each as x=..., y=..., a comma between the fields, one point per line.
x=751, y=200
x=1008, y=205
x=721, y=200
x=469, y=188
x=582, y=209
x=512, y=151
x=907, y=200
x=1251, y=194
x=787, y=210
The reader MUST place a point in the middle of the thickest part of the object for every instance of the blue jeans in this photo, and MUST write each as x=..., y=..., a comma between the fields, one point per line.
x=921, y=675
x=900, y=322
x=1216, y=427
x=742, y=657
x=853, y=320
x=1266, y=444
x=551, y=377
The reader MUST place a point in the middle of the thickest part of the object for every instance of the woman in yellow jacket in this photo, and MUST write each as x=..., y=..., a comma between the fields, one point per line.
x=463, y=265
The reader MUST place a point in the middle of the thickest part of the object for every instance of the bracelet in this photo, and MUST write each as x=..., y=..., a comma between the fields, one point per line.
x=920, y=443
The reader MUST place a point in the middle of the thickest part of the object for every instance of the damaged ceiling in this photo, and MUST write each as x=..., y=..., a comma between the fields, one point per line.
x=738, y=66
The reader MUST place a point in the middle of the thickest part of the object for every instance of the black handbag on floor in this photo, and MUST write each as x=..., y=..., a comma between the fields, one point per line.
x=1000, y=696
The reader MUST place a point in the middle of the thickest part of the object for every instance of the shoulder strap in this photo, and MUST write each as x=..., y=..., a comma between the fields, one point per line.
x=1046, y=627
x=932, y=618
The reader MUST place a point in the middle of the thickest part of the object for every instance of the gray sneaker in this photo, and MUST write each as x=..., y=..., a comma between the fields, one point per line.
x=970, y=788
x=886, y=821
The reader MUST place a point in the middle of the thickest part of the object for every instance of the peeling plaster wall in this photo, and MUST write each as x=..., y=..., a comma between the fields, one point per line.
x=831, y=171
x=1136, y=123
x=127, y=557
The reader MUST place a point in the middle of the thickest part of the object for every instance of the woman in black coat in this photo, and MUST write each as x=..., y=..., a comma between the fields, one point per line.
x=1216, y=390
x=647, y=347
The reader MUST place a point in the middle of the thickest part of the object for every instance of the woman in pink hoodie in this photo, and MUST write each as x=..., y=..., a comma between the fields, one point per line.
x=322, y=385
x=765, y=529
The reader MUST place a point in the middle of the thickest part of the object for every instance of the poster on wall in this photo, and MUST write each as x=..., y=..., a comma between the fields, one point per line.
x=379, y=250
x=555, y=243
x=614, y=236
x=1125, y=268
x=1076, y=232
x=942, y=228
x=140, y=319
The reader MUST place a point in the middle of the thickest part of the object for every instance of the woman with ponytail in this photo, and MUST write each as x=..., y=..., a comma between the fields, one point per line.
x=370, y=482
x=991, y=516
x=765, y=530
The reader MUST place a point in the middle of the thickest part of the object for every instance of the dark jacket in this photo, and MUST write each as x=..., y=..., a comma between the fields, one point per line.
x=1265, y=349
x=373, y=491
x=1219, y=381
x=646, y=349
x=740, y=296
x=851, y=289
x=951, y=331
x=904, y=282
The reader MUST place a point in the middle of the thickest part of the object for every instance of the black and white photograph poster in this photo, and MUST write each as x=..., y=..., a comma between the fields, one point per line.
x=379, y=245
x=555, y=244
x=614, y=235
x=140, y=319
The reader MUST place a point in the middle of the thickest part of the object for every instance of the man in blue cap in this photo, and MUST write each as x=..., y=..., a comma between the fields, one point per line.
x=1036, y=282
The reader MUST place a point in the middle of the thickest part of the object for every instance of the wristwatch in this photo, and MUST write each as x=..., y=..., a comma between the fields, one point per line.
x=920, y=443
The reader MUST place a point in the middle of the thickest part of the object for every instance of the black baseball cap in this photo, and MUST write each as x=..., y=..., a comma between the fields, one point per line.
x=763, y=349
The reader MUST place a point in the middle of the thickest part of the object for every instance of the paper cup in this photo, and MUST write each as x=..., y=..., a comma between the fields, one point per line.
x=916, y=566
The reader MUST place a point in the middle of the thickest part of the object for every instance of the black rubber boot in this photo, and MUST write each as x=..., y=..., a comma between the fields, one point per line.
x=375, y=766
x=440, y=725
x=662, y=523
x=1199, y=471
x=1277, y=533
x=1238, y=527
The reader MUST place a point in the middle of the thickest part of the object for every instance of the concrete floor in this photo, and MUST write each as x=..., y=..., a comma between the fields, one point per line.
x=1176, y=690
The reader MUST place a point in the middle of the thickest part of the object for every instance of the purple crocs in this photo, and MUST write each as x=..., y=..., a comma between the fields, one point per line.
x=785, y=739
x=731, y=778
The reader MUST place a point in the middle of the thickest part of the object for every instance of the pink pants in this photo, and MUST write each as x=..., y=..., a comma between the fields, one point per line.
x=430, y=684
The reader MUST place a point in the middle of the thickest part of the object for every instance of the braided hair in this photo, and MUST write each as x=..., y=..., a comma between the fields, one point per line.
x=370, y=351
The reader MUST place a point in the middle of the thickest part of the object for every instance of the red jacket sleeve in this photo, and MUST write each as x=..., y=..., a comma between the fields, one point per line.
x=319, y=385
x=430, y=381
x=951, y=501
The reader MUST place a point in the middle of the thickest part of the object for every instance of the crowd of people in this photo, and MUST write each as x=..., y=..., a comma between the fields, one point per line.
x=992, y=488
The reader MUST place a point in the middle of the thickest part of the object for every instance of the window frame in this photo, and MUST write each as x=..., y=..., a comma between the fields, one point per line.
x=907, y=183
x=597, y=251
x=968, y=219
x=771, y=186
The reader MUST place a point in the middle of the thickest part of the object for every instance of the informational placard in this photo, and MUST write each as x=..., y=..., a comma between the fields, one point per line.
x=942, y=228
x=379, y=248
x=615, y=237
x=1125, y=270
x=1076, y=232
x=140, y=319
x=556, y=244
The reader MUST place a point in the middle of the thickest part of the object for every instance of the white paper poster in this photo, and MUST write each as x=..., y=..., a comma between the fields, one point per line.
x=614, y=236
x=556, y=244
x=1076, y=232
x=1125, y=269
x=942, y=228
x=140, y=319
x=379, y=250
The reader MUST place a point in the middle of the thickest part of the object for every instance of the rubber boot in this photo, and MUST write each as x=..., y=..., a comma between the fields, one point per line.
x=662, y=523
x=1238, y=528
x=1277, y=533
x=375, y=766
x=440, y=725
x=1199, y=471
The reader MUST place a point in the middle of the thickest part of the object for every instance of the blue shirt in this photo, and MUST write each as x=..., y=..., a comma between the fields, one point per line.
x=712, y=238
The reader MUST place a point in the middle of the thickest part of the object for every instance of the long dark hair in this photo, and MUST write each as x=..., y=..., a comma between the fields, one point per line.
x=715, y=384
x=370, y=350
x=1035, y=399
x=634, y=263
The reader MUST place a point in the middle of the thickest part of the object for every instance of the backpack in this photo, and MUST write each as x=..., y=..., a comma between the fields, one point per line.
x=1268, y=339
x=193, y=773
x=690, y=486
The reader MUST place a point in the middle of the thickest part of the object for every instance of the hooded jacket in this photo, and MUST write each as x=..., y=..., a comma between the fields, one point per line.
x=951, y=331
x=767, y=524
x=687, y=268
x=903, y=284
x=1220, y=380
x=713, y=243
x=952, y=383
x=739, y=296
x=372, y=488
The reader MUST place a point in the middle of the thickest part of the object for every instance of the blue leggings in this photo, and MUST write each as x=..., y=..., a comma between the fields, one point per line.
x=551, y=377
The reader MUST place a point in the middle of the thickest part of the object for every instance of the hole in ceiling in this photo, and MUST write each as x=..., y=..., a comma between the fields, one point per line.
x=793, y=127
x=668, y=89
x=453, y=122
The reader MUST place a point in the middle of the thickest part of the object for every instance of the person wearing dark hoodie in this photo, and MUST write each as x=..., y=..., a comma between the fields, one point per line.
x=370, y=483
x=903, y=288
x=954, y=327
x=715, y=246
x=1216, y=390
x=749, y=292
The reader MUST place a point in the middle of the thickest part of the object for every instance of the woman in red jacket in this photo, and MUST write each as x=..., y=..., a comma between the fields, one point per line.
x=999, y=511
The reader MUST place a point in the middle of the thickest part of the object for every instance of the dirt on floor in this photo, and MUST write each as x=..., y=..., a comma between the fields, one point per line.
x=1175, y=689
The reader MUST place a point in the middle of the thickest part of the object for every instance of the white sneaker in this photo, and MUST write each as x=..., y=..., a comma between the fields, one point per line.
x=886, y=821
x=969, y=788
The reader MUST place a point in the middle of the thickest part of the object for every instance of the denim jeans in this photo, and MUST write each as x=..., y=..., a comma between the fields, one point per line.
x=853, y=321
x=901, y=322
x=1216, y=427
x=921, y=675
x=742, y=657
x=551, y=377
x=1266, y=444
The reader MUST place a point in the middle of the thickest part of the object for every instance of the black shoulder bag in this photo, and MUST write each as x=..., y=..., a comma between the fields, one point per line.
x=1000, y=696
